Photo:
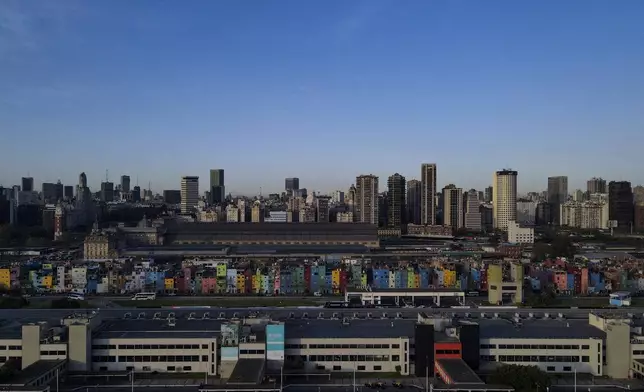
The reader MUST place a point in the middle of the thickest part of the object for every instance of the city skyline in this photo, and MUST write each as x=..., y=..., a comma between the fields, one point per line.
x=546, y=89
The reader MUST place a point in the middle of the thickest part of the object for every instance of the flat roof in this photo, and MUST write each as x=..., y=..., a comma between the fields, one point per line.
x=273, y=227
x=36, y=370
x=458, y=371
x=538, y=329
x=356, y=329
x=153, y=329
x=248, y=371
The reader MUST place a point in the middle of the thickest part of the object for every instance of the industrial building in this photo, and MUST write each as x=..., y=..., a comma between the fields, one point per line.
x=248, y=347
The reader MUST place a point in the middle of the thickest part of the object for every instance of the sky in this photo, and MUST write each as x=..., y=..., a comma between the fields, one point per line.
x=321, y=90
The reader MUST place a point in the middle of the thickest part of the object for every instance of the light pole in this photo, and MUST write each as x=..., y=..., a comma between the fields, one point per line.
x=132, y=379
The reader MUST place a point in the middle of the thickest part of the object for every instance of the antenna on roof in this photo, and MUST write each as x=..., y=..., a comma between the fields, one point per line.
x=106, y=175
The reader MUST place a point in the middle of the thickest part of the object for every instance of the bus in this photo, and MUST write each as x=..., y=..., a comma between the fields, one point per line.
x=622, y=298
x=144, y=296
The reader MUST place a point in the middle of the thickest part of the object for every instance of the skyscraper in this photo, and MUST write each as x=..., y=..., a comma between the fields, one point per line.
x=557, y=195
x=366, y=203
x=453, y=206
x=396, y=200
x=504, y=198
x=488, y=194
x=291, y=184
x=620, y=203
x=596, y=185
x=136, y=194
x=125, y=184
x=428, y=193
x=189, y=193
x=217, y=188
x=107, y=191
x=413, y=200
x=27, y=184
x=472, y=212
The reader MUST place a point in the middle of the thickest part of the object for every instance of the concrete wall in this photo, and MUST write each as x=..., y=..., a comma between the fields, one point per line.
x=618, y=358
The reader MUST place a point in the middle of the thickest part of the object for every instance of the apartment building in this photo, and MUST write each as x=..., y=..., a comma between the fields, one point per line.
x=504, y=198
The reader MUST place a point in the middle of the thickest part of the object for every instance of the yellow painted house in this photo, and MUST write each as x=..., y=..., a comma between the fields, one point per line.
x=449, y=278
x=221, y=270
x=169, y=284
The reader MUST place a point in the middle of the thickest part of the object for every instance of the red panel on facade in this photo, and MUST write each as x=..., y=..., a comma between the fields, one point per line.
x=447, y=350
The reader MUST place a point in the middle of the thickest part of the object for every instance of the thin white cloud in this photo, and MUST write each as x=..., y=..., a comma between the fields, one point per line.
x=25, y=24
x=359, y=20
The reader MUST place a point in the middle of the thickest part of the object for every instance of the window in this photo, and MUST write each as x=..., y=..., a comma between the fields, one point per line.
x=377, y=367
x=550, y=369
x=585, y=358
x=361, y=368
x=337, y=367
x=567, y=369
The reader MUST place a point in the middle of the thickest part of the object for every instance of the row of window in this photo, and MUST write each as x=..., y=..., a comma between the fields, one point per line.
x=448, y=351
x=638, y=352
x=149, y=358
x=319, y=346
x=53, y=352
x=11, y=347
x=536, y=346
x=251, y=351
x=535, y=358
x=344, y=358
x=149, y=346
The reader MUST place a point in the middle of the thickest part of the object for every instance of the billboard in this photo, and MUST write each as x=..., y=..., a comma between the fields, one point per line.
x=275, y=342
x=229, y=353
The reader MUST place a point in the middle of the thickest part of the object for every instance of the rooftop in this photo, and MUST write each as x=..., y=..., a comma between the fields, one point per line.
x=36, y=370
x=372, y=329
x=538, y=329
x=407, y=290
x=151, y=329
x=458, y=371
x=275, y=227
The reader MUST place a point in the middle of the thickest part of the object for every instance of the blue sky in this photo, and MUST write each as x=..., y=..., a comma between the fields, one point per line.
x=321, y=90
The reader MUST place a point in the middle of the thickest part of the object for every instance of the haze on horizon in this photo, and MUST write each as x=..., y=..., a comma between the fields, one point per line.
x=321, y=90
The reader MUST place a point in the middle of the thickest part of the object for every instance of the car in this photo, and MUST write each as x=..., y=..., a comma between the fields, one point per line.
x=397, y=384
x=369, y=385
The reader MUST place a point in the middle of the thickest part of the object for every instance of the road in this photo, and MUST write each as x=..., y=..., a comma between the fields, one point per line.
x=298, y=312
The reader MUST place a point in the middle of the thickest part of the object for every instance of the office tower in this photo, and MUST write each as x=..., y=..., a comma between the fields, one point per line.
x=60, y=191
x=543, y=214
x=620, y=203
x=638, y=194
x=172, y=196
x=557, y=195
x=257, y=212
x=413, y=200
x=338, y=197
x=49, y=192
x=472, y=212
x=366, y=203
x=136, y=194
x=68, y=192
x=291, y=184
x=322, y=208
x=107, y=191
x=596, y=185
x=453, y=206
x=428, y=193
x=504, y=198
x=217, y=188
x=396, y=200
x=125, y=184
x=189, y=193
x=383, y=208
x=578, y=195
x=488, y=194
x=27, y=184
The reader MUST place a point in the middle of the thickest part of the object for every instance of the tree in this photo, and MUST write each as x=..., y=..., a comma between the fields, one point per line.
x=521, y=378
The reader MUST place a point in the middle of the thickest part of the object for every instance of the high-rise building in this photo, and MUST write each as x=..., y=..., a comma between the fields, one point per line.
x=189, y=193
x=338, y=197
x=596, y=185
x=172, y=196
x=125, y=184
x=291, y=184
x=68, y=192
x=136, y=194
x=453, y=206
x=217, y=188
x=557, y=195
x=107, y=191
x=396, y=200
x=472, y=212
x=413, y=200
x=620, y=203
x=366, y=203
x=49, y=192
x=488, y=194
x=322, y=208
x=504, y=198
x=428, y=193
x=27, y=184
x=543, y=214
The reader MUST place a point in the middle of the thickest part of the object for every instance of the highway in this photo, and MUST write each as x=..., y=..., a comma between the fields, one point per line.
x=299, y=312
